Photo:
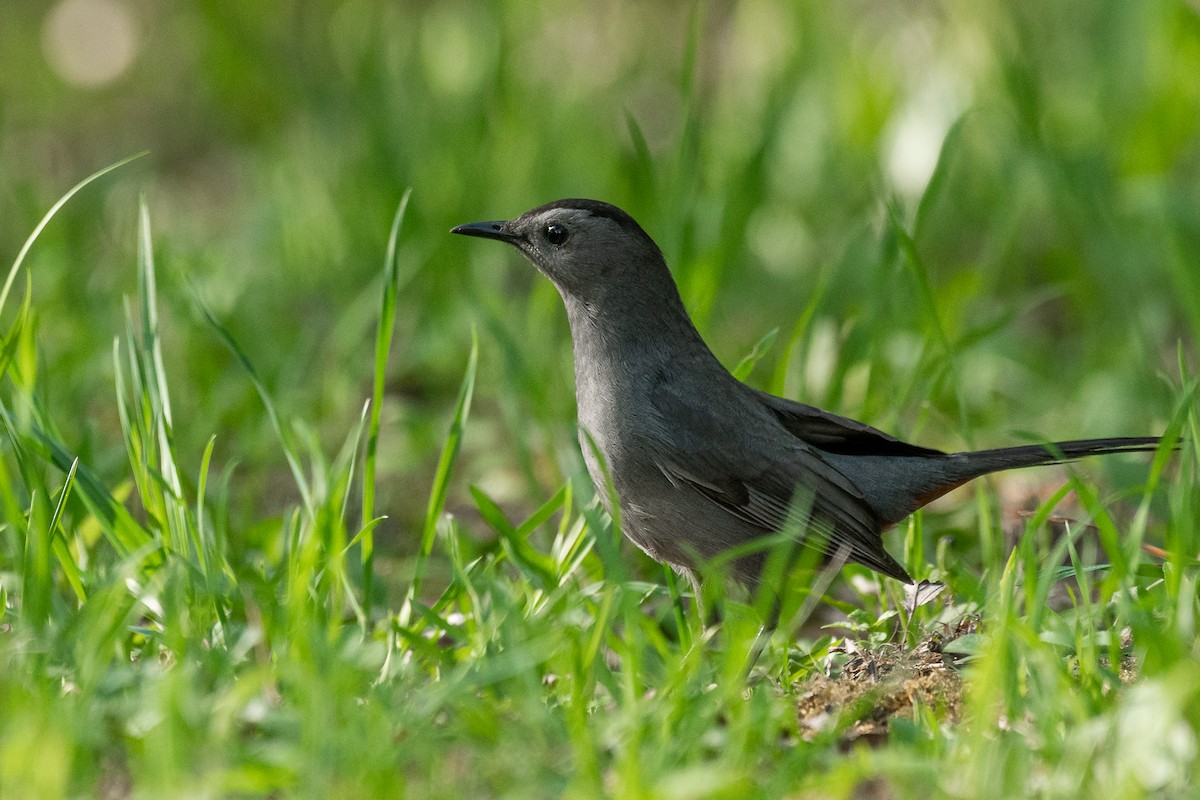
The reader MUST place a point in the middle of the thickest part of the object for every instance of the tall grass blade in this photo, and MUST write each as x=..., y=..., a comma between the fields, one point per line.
x=937, y=328
x=285, y=439
x=441, y=480
x=54, y=209
x=515, y=540
x=178, y=530
x=63, y=553
x=383, y=345
x=122, y=530
x=760, y=349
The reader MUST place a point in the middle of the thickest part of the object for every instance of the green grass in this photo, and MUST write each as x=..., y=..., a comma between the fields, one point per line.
x=292, y=504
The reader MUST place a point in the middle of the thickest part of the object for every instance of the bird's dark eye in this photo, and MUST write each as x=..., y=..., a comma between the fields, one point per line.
x=555, y=233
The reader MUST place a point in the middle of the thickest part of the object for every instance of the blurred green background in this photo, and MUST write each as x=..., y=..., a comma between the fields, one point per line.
x=971, y=224
x=1044, y=157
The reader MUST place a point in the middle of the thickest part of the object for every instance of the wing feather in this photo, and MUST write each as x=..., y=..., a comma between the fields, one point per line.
x=761, y=474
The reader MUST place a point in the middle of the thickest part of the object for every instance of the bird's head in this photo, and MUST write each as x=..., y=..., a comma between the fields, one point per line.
x=584, y=246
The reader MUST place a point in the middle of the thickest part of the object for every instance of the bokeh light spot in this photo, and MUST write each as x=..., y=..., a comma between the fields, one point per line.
x=89, y=43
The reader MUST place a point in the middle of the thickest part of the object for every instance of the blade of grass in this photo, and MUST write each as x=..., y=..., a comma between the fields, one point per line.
x=936, y=328
x=746, y=365
x=363, y=531
x=12, y=340
x=61, y=551
x=534, y=565
x=36, y=580
x=151, y=379
x=54, y=209
x=125, y=534
x=206, y=544
x=786, y=365
x=285, y=440
x=441, y=480
x=642, y=171
x=383, y=345
x=336, y=501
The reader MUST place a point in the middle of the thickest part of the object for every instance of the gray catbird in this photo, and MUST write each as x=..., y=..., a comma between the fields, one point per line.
x=701, y=462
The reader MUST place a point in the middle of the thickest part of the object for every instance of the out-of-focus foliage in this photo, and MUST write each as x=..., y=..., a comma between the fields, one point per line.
x=758, y=142
x=971, y=223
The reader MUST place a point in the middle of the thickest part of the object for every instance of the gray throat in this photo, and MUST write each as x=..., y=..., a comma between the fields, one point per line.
x=630, y=343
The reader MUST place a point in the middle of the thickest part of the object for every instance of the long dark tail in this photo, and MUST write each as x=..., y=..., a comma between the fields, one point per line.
x=981, y=462
x=925, y=480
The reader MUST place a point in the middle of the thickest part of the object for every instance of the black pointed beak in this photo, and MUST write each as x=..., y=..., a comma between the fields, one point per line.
x=487, y=230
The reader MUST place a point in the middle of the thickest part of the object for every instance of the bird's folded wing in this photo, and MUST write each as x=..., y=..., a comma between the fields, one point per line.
x=832, y=515
x=836, y=434
x=763, y=475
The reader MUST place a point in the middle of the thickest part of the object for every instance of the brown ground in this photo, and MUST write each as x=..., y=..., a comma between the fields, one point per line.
x=885, y=682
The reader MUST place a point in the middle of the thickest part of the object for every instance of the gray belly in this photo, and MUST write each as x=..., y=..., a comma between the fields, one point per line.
x=672, y=523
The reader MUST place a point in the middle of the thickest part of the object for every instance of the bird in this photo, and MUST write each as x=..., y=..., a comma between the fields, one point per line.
x=700, y=463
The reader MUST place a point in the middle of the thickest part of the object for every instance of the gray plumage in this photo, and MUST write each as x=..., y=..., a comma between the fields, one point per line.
x=701, y=462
